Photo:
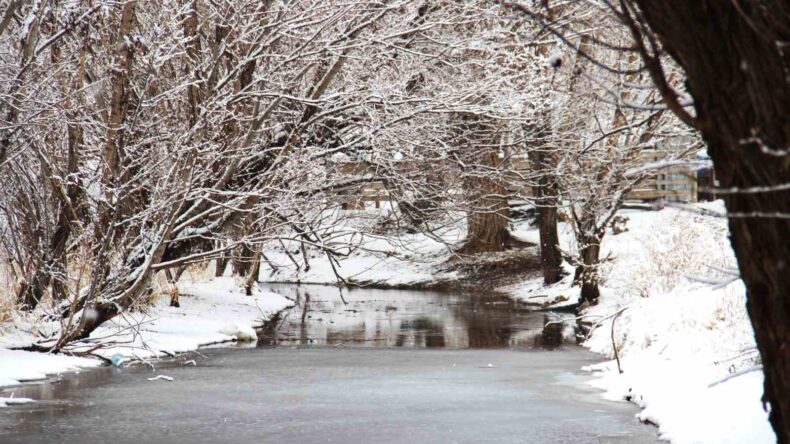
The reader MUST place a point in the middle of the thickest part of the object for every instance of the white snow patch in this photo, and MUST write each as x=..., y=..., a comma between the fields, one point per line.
x=210, y=313
x=15, y=401
x=161, y=378
x=18, y=366
x=241, y=331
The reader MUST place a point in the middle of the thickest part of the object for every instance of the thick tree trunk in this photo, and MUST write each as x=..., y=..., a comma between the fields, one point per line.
x=242, y=260
x=112, y=182
x=736, y=62
x=487, y=231
x=123, y=57
x=545, y=195
x=66, y=217
x=550, y=254
x=489, y=213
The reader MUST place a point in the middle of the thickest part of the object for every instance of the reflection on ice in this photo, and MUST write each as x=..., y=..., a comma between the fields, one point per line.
x=404, y=318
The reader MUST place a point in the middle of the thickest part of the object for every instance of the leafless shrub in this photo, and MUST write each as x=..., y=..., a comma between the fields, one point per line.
x=679, y=250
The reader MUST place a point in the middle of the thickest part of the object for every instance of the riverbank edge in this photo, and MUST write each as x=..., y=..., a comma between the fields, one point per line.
x=103, y=362
x=40, y=367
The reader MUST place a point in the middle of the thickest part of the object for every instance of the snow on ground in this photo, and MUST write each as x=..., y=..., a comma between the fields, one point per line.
x=685, y=401
x=384, y=260
x=17, y=366
x=686, y=345
x=210, y=313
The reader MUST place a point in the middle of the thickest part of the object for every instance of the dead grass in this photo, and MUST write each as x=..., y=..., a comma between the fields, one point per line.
x=200, y=272
x=7, y=299
x=79, y=275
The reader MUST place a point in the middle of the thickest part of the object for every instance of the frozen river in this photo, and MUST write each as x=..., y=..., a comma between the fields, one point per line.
x=364, y=366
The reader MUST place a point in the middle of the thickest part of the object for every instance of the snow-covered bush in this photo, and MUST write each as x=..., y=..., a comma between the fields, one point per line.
x=693, y=321
x=679, y=248
x=662, y=270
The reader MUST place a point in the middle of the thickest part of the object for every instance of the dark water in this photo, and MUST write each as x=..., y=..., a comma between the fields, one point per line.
x=379, y=366
x=406, y=318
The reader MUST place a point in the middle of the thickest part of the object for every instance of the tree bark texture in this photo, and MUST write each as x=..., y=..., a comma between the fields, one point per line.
x=586, y=274
x=488, y=218
x=545, y=195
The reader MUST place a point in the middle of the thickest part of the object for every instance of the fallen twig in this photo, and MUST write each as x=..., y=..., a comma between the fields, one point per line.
x=735, y=375
x=614, y=345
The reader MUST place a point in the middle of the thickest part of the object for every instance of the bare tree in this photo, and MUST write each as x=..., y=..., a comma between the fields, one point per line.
x=141, y=137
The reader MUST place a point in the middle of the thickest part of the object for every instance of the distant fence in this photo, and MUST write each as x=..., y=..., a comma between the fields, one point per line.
x=677, y=184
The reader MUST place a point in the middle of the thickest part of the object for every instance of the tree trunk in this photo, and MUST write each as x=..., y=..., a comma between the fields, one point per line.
x=190, y=25
x=489, y=213
x=111, y=180
x=31, y=293
x=123, y=59
x=550, y=254
x=252, y=277
x=221, y=264
x=736, y=63
x=587, y=272
x=487, y=231
x=242, y=260
x=545, y=195
x=172, y=279
x=15, y=91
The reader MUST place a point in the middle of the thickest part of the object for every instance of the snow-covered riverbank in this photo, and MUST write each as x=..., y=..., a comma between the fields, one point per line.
x=211, y=312
x=684, y=339
x=682, y=331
